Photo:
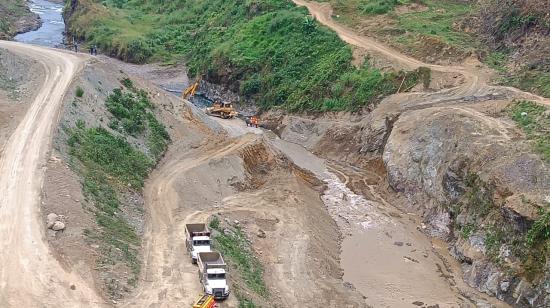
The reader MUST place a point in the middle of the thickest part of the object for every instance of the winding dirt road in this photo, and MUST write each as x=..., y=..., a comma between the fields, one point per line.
x=30, y=276
x=476, y=77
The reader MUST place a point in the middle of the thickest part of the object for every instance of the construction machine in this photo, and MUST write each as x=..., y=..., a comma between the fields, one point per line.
x=191, y=90
x=212, y=273
x=197, y=239
x=205, y=301
x=223, y=110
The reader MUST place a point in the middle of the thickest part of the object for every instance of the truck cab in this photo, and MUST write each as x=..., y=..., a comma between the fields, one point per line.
x=216, y=284
x=197, y=240
x=212, y=273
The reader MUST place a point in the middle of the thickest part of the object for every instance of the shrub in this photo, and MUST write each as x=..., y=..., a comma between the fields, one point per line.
x=79, y=92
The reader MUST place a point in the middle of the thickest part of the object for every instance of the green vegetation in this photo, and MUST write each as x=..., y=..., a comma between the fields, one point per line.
x=534, y=119
x=245, y=302
x=132, y=114
x=267, y=50
x=236, y=247
x=100, y=150
x=380, y=6
x=110, y=168
x=431, y=29
x=79, y=92
x=105, y=163
x=467, y=230
x=533, y=80
x=478, y=196
x=11, y=11
x=540, y=231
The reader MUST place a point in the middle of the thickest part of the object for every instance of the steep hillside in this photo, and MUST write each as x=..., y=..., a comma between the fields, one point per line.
x=15, y=17
x=518, y=35
x=511, y=36
x=110, y=137
x=267, y=50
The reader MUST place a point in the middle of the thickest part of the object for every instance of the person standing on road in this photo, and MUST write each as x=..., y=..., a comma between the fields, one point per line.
x=75, y=47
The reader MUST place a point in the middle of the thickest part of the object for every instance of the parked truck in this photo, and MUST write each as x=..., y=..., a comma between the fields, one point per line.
x=197, y=239
x=212, y=271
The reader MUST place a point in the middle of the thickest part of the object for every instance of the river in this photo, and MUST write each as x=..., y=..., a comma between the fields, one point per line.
x=51, y=32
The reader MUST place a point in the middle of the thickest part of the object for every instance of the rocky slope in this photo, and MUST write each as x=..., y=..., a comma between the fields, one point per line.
x=466, y=168
x=16, y=18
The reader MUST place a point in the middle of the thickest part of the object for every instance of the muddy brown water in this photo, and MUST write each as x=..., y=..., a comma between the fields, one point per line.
x=384, y=255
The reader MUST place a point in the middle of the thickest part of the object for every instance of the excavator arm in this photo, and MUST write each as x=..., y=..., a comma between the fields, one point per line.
x=190, y=91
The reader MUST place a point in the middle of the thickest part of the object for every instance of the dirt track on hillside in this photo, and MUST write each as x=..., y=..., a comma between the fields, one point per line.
x=476, y=75
x=29, y=275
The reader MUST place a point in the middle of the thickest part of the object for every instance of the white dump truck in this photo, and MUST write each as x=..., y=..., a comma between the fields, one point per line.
x=212, y=271
x=198, y=239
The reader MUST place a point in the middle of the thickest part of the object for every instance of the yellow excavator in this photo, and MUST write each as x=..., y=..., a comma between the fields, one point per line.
x=220, y=109
x=190, y=91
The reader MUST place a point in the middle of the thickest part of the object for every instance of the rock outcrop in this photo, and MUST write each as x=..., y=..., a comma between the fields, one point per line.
x=471, y=175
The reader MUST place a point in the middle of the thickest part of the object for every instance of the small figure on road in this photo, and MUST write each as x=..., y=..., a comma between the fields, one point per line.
x=95, y=50
x=75, y=47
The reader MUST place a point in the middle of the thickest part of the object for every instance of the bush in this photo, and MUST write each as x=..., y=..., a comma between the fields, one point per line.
x=99, y=149
x=79, y=92
x=130, y=109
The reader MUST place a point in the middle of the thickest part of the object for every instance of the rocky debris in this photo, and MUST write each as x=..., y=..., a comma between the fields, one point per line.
x=50, y=220
x=55, y=222
x=261, y=233
x=58, y=226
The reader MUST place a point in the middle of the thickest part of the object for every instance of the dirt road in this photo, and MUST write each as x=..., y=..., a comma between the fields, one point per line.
x=29, y=275
x=476, y=75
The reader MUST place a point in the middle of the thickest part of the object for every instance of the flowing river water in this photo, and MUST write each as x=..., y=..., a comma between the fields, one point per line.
x=51, y=32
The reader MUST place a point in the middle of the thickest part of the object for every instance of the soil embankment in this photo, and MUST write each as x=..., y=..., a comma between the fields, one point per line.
x=29, y=274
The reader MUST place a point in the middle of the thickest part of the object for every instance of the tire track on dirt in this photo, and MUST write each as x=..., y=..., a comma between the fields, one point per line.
x=30, y=276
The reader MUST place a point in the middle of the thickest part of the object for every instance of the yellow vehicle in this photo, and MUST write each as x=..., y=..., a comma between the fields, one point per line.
x=205, y=301
x=190, y=91
x=223, y=110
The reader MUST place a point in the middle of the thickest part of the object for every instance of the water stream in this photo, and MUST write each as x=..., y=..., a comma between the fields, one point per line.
x=383, y=254
x=51, y=32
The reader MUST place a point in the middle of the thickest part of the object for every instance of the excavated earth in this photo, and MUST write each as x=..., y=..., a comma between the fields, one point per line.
x=354, y=209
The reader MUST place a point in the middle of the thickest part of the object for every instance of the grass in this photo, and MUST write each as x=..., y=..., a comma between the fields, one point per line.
x=236, y=247
x=110, y=168
x=79, y=92
x=266, y=50
x=532, y=80
x=534, y=120
x=131, y=109
x=467, y=230
x=411, y=30
x=106, y=162
x=100, y=150
x=10, y=12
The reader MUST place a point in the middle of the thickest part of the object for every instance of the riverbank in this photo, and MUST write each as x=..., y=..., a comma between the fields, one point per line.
x=16, y=17
x=51, y=31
